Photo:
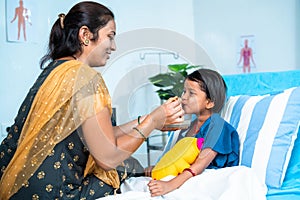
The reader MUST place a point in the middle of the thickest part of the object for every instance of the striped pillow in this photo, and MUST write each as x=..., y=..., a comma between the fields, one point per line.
x=267, y=127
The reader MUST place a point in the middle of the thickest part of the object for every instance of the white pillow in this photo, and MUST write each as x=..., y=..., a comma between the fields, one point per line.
x=267, y=127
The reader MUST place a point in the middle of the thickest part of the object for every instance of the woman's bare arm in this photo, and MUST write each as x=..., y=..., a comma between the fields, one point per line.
x=125, y=128
x=111, y=145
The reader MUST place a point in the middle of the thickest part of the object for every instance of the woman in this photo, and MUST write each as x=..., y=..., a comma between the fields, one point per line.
x=204, y=95
x=62, y=144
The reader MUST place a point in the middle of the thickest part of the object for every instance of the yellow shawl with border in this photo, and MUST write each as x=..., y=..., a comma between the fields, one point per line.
x=55, y=113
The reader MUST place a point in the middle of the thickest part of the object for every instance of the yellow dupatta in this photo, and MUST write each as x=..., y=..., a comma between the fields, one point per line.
x=55, y=113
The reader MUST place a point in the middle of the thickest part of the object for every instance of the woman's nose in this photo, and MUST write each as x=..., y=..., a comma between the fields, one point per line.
x=113, y=46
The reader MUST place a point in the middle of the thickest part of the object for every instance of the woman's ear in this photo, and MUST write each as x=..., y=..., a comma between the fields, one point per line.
x=84, y=35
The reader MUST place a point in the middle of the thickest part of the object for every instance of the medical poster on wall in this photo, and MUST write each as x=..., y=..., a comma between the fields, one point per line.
x=20, y=26
x=246, y=53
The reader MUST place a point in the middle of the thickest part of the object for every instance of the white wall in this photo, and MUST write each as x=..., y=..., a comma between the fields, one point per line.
x=219, y=25
x=21, y=60
x=188, y=26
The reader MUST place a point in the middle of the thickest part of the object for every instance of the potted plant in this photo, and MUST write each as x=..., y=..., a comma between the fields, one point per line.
x=171, y=83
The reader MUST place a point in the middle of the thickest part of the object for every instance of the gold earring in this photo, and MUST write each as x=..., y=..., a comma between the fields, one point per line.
x=86, y=42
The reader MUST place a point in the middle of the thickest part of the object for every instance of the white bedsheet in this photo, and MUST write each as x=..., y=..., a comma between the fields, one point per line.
x=232, y=183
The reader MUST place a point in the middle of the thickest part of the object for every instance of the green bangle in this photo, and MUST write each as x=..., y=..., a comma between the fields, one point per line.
x=140, y=132
x=139, y=119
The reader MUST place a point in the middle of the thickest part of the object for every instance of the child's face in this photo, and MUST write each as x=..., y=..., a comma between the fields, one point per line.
x=194, y=100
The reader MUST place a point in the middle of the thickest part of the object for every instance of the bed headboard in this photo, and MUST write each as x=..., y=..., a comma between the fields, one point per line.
x=261, y=83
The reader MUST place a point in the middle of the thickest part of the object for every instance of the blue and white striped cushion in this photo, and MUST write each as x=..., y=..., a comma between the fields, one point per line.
x=267, y=126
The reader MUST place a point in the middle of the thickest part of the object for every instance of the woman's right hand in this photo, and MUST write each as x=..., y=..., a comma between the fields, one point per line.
x=148, y=171
x=169, y=112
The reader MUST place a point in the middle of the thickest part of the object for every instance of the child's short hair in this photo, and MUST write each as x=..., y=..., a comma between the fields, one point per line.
x=213, y=84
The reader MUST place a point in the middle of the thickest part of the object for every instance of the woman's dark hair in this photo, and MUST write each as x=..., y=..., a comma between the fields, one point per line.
x=64, y=40
x=213, y=84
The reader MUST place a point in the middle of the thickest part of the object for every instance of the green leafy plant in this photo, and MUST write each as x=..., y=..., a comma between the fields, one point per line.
x=171, y=83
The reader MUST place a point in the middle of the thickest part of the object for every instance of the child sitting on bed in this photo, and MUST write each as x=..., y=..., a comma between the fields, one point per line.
x=204, y=95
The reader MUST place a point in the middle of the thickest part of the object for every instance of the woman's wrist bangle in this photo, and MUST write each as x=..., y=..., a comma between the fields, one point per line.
x=139, y=119
x=140, y=132
x=190, y=170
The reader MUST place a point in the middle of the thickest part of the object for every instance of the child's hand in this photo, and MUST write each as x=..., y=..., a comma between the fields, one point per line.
x=158, y=188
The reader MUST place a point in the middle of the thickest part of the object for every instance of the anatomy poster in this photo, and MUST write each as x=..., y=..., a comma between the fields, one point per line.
x=20, y=24
x=246, y=53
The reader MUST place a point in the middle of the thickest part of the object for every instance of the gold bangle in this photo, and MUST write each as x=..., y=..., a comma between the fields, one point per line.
x=140, y=132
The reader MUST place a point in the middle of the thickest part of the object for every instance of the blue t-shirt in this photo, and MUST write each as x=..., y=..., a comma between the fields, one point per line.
x=218, y=135
x=221, y=137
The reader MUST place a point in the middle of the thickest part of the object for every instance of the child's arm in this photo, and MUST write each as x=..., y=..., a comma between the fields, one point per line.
x=158, y=187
